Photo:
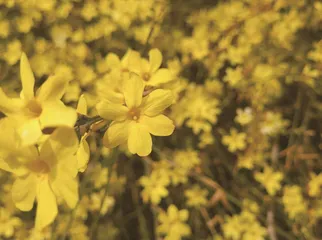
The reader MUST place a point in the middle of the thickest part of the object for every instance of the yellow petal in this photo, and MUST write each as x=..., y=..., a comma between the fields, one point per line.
x=131, y=60
x=158, y=100
x=56, y=114
x=47, y=205
x=111, y=96
x=52, y=89
x=116, y=134
x=159, y=125
x=163, y=75
x=112, y=60
x=24, y=192
x=30, y=132
x=9, y=138
x=11, y=163
x=133, y=91
x=112, y=111
x=66, y=186
x=140, y=141
x=27, y=77
x=60, y=148
x=82, y=105
x=83, y=154
x=9, y=105
x=155, y=59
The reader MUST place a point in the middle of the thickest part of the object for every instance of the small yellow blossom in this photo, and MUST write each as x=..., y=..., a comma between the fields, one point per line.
x=235, y=141
x=270, y=180
x=4, y=28
x=8, y=223
x=150, y=71
x=172, y=223
x=293, y=202
x=244, y=226
x=154, y=187
x=244, y=116
x=315, y=185
x=13, y=52
x=196, y=196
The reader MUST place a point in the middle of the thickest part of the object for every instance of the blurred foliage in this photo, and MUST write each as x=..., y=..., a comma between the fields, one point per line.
x=244, y=161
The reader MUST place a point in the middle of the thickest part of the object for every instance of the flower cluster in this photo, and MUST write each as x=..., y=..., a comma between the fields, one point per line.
x=160, y=119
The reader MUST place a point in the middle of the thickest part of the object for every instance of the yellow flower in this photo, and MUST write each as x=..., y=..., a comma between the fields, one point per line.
x=35, y=114
x=270, y=180
x=235, y=141
x=45, y=173
x=13, y=52
x=294, y=202
x=110, y=87
x=155, y=187
x=315, y=185
x=196, y=196
x=8, y=223
x=138, y=118
x=244, y=116
x=4, y=28
x=245, y=225
x=172, y=223
x=150, y=71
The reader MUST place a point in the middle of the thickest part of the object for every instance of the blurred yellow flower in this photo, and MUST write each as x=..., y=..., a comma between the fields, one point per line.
x=45, y=173
x=172, y=223
x=270, y=179
x=154, y=187
x=196, y=196
x=293, y=201
x=235, y=141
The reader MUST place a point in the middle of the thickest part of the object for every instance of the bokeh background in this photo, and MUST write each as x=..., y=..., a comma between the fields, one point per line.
x=244, y=162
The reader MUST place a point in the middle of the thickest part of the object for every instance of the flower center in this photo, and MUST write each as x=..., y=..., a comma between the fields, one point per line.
x=146, y=76
x=134, y=114
x=39, y=167
x=34, y=107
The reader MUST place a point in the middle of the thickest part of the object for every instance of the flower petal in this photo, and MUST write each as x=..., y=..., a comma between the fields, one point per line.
x=66, y=186
x=47, y=205
x=60, y=148
x=140, y=140
x=30, y=132
x=82, y=105
x=155, y=59
x=110, y=95
x=9, y=105
x=52, y=89
x=163, y=75
x=159, y=125
x=132, y=60
x=112, y=60
x=24, y=192
x=111, y=111
x=133, y=91
x=83, y=155
x=158, y=100
x=56, y=114
x=116, y=134
x=27, y=77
